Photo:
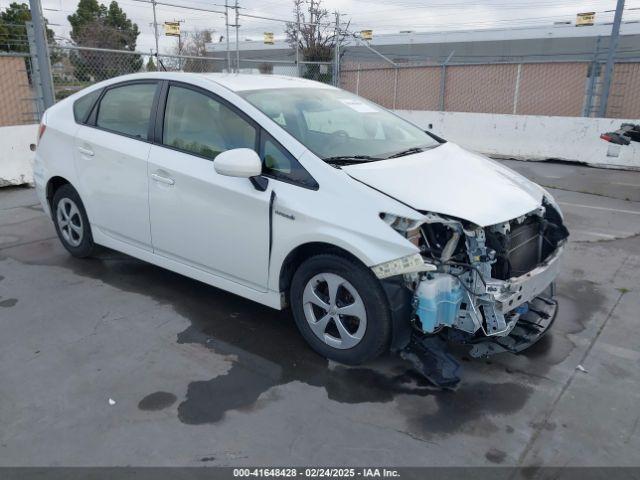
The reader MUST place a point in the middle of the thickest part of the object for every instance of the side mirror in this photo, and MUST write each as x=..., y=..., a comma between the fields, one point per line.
x=238, y=162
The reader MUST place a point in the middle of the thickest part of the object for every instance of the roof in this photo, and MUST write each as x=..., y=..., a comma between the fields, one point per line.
x=236, y=82
x=241, y=82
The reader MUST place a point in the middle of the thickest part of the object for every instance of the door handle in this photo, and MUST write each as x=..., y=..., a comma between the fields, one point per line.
x=161, y=179
x=86, y=151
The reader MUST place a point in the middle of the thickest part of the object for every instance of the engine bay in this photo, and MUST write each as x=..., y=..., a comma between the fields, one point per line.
x=484, y=276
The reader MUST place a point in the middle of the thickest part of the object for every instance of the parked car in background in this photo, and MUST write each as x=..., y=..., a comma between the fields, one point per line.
x=294, y=193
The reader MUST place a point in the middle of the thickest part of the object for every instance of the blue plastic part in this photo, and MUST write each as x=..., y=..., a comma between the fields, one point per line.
x=440, y=310
x=522, y=309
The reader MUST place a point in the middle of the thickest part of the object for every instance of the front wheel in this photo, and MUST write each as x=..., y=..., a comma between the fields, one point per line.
x=340, y=308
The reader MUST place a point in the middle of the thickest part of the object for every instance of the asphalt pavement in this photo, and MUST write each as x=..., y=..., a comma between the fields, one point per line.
x=114, y=362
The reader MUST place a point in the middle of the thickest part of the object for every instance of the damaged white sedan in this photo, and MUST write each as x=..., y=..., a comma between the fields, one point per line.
x=377, y=234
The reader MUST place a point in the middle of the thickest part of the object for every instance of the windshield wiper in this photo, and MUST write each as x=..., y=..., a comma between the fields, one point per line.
x=351, y=159
x=408, y=151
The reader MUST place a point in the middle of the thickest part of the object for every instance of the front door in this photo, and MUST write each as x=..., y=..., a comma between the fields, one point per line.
x=215, y=223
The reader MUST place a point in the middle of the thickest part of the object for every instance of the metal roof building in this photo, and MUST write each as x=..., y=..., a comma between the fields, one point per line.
x=546, y=44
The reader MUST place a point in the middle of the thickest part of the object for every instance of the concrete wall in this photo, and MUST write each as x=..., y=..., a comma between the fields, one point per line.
x=15, y=156
x=530, y=137
x=512, y=136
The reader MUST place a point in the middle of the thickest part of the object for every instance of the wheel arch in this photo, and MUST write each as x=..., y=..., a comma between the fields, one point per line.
x=398, y=295
x=53, y=185
x=303, y=252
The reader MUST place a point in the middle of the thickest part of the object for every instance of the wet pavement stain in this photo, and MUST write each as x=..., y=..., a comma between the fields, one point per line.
x=157, y=401
x=268, y=351
x=495, y=456
x=8, y=303
x=473, y=403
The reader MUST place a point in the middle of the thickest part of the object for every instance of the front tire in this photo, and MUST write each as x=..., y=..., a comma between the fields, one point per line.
x=71, y=222
x=340, y=308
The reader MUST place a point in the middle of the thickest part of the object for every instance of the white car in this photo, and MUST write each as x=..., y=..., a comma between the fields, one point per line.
x=294, y=193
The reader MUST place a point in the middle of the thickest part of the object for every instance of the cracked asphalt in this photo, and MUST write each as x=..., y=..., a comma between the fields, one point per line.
x=113, y=362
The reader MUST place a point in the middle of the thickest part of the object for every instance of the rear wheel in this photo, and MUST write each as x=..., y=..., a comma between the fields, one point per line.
x=340, y=309
x=71, y=222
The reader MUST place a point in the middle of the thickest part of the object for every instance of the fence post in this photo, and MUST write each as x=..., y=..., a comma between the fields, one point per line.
x=593, y=72
x=42, y=53
x=358, y=80
x=35, y=70
x=443, y=80
x=395, y=88
x=516, y=94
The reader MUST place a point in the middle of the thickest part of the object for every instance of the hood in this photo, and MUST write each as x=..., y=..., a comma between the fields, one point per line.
x=452, y=181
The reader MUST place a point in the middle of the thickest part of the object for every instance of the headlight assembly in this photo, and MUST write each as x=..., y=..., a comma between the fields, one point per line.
x=407, y=227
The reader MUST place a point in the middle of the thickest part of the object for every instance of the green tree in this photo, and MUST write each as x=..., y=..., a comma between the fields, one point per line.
x=151, y=66
x=13, y=32
x=97, y=26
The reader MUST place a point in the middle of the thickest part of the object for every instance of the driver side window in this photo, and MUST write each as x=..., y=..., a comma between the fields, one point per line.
x=199, y=124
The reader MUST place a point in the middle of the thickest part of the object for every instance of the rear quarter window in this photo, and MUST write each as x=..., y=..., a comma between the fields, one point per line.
x=82, y=106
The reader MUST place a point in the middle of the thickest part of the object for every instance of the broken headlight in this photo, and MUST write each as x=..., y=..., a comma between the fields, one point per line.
x=407, y=227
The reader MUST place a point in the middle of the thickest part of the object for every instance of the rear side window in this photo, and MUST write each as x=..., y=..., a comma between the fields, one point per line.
x=127, y=109
x=196, y=123
x=82, y=106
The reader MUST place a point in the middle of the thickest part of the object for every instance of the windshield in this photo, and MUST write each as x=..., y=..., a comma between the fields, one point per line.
x=336, y=125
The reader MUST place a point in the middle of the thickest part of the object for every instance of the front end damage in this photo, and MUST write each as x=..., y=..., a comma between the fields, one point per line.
x=487, y=287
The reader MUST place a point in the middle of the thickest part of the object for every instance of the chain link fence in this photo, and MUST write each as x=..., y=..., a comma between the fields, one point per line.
x=567, y=88
x=559, y=88
x=318, y=71
x=74, y=68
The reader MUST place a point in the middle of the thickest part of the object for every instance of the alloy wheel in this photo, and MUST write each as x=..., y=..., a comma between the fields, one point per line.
x=69, y=222
x=334, y=310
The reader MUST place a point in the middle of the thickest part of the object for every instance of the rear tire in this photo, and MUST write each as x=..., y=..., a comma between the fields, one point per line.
x=71, y=222
x=340, y=309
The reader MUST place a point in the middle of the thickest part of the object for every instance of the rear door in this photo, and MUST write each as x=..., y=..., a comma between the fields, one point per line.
x=111, y=159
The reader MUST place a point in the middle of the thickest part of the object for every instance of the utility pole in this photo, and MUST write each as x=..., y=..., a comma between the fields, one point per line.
x=237, y=25
x=155, y=31
x=298, y=38
x=336, y=60
x=42, y=53
x=608, y=71
x=226, y=24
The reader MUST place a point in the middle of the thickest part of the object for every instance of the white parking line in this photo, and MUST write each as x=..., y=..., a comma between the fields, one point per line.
x=602, y=235
x=619, y=210
x=627, y=184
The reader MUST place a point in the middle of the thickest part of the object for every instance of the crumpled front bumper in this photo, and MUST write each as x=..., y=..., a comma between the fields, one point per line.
x=510, y=294
x=530, y=327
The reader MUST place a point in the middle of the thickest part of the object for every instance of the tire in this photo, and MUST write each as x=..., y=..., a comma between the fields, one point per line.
x=71, y=222
x=358, y=292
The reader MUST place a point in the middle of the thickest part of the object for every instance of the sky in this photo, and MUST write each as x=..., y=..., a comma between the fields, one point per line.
x=382, y=16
